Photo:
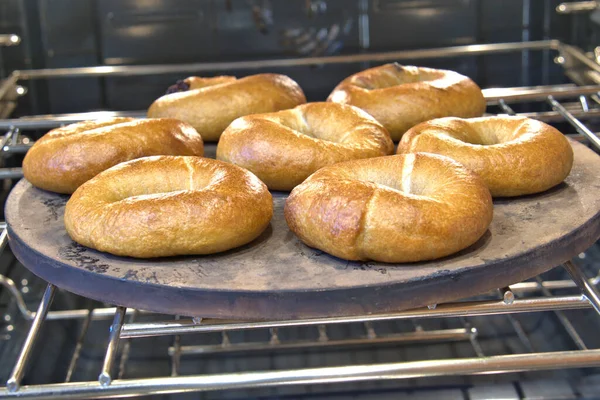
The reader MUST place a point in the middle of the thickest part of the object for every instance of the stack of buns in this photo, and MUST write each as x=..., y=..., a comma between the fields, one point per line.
x=142, y=188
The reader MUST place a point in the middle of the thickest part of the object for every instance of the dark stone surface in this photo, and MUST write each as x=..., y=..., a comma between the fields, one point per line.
x=277, y=276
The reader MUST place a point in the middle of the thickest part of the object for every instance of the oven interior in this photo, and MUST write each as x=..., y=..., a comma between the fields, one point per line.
x=212, y=37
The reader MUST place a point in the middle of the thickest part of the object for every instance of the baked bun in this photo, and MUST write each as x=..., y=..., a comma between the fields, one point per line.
x=285, y=147
x=400, y=97
x=514, y=155
x=66, y=157
x=392, y=209
x=167, y=206
x=210, y=104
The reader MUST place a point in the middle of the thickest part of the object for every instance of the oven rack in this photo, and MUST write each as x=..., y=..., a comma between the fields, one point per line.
x=525, y=297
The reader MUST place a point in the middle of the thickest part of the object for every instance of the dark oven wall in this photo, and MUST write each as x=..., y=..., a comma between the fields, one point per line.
x=74, y=33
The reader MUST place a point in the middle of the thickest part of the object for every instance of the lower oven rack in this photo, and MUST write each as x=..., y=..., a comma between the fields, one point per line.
x=128, y=326
x=524, y=297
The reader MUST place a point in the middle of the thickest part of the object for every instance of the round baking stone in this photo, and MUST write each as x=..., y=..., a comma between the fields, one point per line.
x=278, y=277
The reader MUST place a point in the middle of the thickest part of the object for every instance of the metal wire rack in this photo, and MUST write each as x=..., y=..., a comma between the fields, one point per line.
x=535, y=296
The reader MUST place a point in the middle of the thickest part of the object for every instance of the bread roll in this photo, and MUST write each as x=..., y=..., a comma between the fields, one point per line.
x=66, y=157
x=166, y=206
x=395, y=209
x=514, y=155
x=400, y=97
x=285, y=147
x=218, y=101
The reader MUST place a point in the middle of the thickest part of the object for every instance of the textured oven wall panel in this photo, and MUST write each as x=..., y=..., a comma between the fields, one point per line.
x=152, y=31
x=589, y=386
x=69, y=41
x=547, y=389
x=408, y=24
x=516, y=21
x=10, y=57
x=21, y=17
x=501, y=21
x=145, y=32
x=504, y=391
x=401, y=25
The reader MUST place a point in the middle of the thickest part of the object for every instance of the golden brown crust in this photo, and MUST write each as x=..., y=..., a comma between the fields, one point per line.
x=401, y=208
x=514, y=155
x=165, y=206
x=212, y=107
x=400, y=97
x=196, y=82
x=66, y=157
x=285, y=147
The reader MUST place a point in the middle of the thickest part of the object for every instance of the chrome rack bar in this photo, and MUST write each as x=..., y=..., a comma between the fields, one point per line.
x=8, y=83
x=576, y=7
x=176, y=353
x=580, y=127
x=585, y=107
x=473, y=337
x=553, y=116
x=521, y=333
x=108, y=312
x=493, y=96
x=473, y=308
x=506, y=108
x=579, y=56
x=517, y=94
x=475, y=343
x=3, y=237
x=12, y=288
x=98, y=313
x=113, y=345
x=9, y=39
x=17, y=148
x=475, y=49
x=509, y=297
x=18, y=371
x=11, y=173
x=406, y=370
x=126, y=350
x=571, y=331
x=588, y=290
x=7, y=137
x=551, y=285
x=56, y=120
x=405, y=337
x=78, y=346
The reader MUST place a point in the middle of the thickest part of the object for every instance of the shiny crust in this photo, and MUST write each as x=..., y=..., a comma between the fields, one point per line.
x=218, y=101
x=196, y=82
x=400, y=97
x=66, y=157
x=285, y=147
x=401, y=208
x=166, y=206
x=514, y=155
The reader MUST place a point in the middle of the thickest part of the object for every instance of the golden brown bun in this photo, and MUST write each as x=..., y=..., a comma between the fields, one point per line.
x=392, y=209
x=212, y=107
x=285, y=147
x=400, y=97
x=513, y=155
x=66, y=157
x=165, y=206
